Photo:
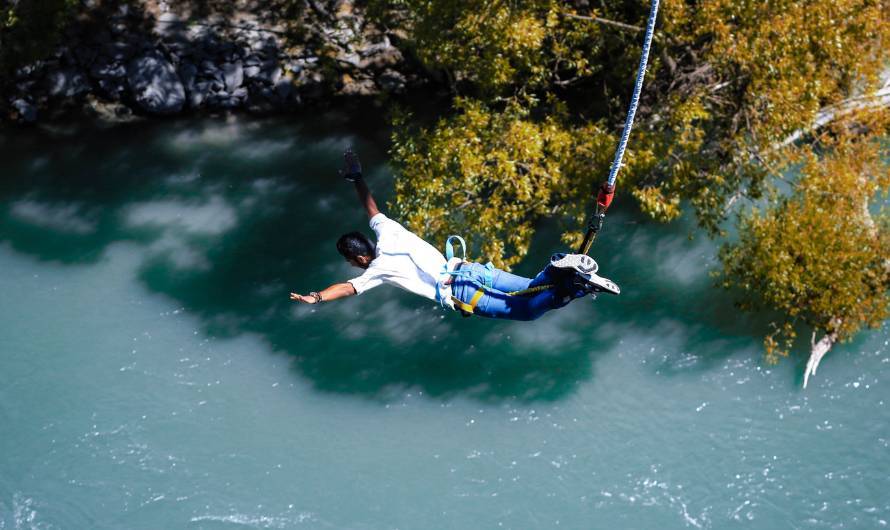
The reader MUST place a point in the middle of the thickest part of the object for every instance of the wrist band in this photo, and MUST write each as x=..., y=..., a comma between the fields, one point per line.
x=316, y=295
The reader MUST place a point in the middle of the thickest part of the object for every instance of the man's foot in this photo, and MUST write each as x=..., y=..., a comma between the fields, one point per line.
x=352, y=166
x=580, y=263
x=598, y=284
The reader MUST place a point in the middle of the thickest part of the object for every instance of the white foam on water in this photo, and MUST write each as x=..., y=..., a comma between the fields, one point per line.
x=558, y=328
x=213, y=216
x=379, y=311
x=212, y=135
x=179, y=253
x=258, y=521
x=23, y=515
x=267, y=196
x=654, y=491
x=38, y=163
x=405, y=325
x=673, y=258
x=335, y=143
x=262, y=149
x=65, y=217
x=181, y=179
x=242, y=140
x=271, y=186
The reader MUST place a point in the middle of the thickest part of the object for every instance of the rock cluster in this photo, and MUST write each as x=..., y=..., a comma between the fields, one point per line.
x=157, y=62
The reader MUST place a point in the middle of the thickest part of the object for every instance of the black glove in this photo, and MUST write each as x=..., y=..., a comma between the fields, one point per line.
x=352, y=166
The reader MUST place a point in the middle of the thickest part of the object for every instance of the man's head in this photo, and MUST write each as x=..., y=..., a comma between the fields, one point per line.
x=356, y=248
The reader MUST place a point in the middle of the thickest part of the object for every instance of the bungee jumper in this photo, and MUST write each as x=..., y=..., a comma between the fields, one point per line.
x=403, y=259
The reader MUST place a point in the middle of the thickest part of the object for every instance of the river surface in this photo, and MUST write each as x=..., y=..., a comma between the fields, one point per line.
x=153, y=373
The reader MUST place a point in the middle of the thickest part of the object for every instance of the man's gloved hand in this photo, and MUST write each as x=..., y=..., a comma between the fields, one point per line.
x=352, y=166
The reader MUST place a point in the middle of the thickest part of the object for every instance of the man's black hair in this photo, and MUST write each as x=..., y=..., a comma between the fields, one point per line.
x=355, y=244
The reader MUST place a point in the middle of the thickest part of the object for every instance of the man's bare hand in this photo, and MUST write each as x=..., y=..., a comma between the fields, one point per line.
x=333, y=292
x=303, y=298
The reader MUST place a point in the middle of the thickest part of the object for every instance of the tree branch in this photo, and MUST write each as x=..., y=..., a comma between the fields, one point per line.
x=607, y=22
x=826, y=115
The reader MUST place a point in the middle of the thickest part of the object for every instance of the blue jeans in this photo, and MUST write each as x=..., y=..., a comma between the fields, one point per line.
x=496, y=303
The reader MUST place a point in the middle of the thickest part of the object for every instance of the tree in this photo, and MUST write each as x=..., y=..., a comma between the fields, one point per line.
x=816, y=256
x=541, y=88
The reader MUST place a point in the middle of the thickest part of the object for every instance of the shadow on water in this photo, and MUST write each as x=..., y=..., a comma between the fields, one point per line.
x=232, y=215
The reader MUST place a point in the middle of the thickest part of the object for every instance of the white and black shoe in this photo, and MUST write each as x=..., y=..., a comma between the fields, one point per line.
x=580, y=263
x=598, y=284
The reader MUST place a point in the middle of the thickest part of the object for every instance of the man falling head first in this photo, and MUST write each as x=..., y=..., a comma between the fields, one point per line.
x=403, y=259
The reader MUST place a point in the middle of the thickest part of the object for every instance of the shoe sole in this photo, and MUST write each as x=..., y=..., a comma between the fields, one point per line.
x=581, y=263
x=602, y=285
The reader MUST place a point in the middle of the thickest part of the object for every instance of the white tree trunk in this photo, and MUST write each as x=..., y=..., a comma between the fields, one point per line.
x=818, y=351
x=879, y=98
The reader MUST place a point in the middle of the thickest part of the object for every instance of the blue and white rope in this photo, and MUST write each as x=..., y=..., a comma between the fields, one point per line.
x=635, y=100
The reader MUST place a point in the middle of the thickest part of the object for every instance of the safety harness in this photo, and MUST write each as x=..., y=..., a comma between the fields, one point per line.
x=469, y=308
x=466, y=308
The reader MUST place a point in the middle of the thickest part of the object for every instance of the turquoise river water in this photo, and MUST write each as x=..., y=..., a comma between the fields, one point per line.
x=154, y=375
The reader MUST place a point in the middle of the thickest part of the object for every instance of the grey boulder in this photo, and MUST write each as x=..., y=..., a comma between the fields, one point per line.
x=155, y=85
x=392, y=81
x=27, y=112
x=188, y=73
x=105, y=70
x=233, y=75
x=198, y=94
x=67, y=83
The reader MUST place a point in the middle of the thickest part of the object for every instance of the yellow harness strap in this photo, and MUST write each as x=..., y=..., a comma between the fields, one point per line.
x=468, y=309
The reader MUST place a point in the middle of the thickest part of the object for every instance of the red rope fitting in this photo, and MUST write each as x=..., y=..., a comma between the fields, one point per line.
x=605, y=196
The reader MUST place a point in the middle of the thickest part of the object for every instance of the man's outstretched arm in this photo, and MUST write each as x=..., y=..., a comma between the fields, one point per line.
x=352, y=171
x=365, y=197
x=338, y=290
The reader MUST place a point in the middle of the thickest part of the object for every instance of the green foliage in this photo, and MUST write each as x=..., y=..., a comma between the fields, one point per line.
x=542, y=91
x=496, y=47
x=449, y=181
x=787, y=58
x=817, y=256
x=30, y=29
x=758, y=71
x=728, y=79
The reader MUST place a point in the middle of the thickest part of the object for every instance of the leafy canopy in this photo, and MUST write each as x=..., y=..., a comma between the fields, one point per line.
x=818, y=255
x=729, y=106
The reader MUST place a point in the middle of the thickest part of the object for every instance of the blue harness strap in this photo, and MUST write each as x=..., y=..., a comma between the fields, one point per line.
x=449, y=255
x=449, y=248
x=487, y=277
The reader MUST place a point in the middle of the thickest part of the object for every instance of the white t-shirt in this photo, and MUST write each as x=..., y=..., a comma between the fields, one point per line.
x=404, y=260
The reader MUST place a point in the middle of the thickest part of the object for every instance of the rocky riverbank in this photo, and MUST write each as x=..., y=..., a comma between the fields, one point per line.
x=154, y=58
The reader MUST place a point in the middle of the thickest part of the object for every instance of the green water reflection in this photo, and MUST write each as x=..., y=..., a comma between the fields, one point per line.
x=236, y=214
x=652, y=409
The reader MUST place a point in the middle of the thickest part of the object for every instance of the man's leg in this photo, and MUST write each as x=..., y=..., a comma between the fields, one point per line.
x=496, y=303
x=506, y=282
x=562, y=269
